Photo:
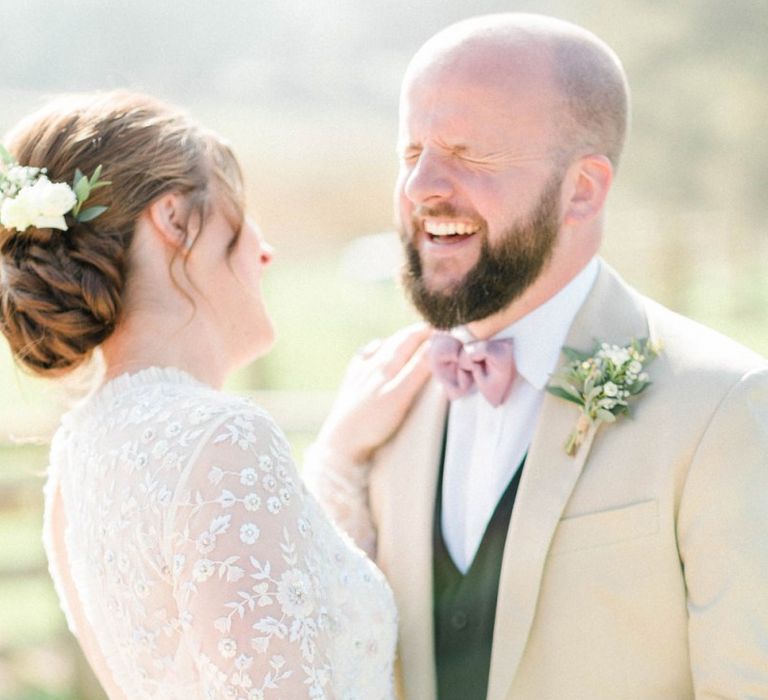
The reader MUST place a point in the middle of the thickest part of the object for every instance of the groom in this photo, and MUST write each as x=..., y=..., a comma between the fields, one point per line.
x=636, y=567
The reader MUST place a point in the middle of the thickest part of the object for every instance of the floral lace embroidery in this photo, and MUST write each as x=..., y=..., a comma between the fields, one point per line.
x=204, y=567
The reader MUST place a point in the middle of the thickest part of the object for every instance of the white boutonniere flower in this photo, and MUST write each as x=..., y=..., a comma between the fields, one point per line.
x=602, y=383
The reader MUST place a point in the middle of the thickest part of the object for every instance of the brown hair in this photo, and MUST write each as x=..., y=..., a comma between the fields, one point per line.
x=61, y=292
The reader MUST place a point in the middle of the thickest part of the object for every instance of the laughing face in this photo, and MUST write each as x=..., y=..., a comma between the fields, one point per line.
x=478, y=190
x=502, y=273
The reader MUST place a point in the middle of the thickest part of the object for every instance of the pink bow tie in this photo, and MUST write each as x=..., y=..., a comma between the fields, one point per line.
x=489, y=364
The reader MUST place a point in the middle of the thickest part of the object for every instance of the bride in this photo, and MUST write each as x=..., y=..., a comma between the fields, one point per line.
x=188, y=556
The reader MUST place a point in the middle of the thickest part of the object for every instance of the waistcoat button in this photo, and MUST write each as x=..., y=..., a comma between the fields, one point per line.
x=458, y=619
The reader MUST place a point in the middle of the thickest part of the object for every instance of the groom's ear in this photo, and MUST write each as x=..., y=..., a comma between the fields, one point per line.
x=587, y=183
x=169, y=215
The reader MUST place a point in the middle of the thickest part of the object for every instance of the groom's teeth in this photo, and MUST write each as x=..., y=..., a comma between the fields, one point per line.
x=449, y=229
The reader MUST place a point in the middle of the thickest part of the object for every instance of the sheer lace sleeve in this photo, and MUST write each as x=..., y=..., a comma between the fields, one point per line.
x=342, y=489
x=246, y=567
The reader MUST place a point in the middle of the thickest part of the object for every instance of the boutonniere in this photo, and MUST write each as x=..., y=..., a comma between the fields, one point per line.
x=601, y=383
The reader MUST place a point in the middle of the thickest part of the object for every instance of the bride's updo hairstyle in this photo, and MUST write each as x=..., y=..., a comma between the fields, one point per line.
x=62, y=292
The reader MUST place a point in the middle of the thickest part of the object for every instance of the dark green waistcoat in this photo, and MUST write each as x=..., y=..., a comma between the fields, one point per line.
x=465, y=604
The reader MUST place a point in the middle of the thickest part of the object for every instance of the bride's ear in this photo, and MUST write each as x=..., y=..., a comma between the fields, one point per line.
x=169, y=215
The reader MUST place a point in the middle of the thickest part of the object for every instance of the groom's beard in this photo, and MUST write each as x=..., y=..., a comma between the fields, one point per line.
x=502, y=273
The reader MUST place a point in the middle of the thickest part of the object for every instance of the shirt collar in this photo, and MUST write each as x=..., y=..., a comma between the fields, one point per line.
x=540, y=334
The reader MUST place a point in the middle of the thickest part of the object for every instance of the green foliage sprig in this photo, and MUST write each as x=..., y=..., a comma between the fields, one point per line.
x=83, y=187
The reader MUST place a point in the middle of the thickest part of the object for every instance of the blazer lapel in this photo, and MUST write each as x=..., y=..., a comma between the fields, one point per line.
x=408, y=468
x=611, y=313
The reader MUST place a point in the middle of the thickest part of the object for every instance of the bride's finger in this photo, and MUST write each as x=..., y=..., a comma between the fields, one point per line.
x=402, y=345
x=369, y=349
x=413, y=375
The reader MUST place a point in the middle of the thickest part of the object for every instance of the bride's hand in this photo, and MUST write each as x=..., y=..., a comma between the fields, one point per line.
x=380, y=385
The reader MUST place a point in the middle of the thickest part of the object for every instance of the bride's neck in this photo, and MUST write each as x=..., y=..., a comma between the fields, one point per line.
x=157, y=339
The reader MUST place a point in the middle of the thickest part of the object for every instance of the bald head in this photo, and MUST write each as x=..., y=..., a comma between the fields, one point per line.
x=589, y=95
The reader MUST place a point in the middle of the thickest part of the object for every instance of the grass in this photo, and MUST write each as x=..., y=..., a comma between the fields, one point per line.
x=21, y=462
x=20, y=535
x=31, y=612
x=322, y=317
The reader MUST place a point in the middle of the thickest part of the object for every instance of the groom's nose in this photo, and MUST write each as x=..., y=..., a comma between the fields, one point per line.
x=428, y=179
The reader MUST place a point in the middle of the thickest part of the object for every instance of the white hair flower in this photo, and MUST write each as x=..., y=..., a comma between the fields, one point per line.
x=29, y=198
x=41, y=205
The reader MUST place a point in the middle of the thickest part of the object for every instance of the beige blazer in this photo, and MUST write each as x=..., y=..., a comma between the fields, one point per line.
x=636, y=569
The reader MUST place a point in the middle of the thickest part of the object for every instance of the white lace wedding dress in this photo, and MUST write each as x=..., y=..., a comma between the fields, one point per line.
x=191, y=562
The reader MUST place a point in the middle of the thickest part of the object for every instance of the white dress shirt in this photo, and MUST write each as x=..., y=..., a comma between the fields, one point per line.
x=486, y=444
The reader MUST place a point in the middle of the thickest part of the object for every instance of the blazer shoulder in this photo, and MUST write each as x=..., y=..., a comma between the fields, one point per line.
x=692, y=354
x=689, y=346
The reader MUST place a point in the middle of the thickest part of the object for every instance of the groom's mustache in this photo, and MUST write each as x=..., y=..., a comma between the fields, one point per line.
x=445, y=209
